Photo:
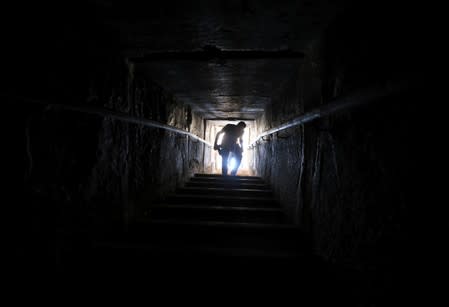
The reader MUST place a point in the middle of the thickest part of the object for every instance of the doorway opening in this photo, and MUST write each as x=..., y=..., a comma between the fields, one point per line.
x=212, y=160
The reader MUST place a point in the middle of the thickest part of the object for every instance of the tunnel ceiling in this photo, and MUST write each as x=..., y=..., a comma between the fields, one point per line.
x=235, y=89
x=232, y=87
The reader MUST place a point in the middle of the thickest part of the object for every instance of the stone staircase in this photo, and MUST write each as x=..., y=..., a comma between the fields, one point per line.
x=232, y=220
x=226, y=216
x=210, y=230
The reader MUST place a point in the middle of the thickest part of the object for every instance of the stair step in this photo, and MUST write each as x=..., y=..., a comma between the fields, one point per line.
x=167, y=251
x=225, y=180
x=225, y=191
x=226, y=200
x=228, y=177
x=216, y=213
x=226, y=184
x=204, y=260
x=228, y=225
x=198, y=234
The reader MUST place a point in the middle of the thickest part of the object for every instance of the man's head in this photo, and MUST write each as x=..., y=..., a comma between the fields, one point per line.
x=242, y=125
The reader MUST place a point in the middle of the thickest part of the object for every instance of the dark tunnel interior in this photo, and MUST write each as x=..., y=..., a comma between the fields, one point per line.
x=324, y=209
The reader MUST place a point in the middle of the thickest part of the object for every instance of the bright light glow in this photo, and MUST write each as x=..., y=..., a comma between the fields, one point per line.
x=213, y=161
x=219, y=139
x=232, y=163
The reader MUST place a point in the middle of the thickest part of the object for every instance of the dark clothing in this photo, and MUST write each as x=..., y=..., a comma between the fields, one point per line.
x=232, y=133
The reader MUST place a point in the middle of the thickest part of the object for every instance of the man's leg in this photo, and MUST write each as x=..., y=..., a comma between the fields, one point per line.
x=238, y=159
x=224, y=162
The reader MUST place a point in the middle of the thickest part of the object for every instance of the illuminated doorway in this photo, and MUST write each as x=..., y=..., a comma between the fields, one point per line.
x=212, y=160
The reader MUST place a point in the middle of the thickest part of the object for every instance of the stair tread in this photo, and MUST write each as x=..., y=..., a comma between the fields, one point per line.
x=226, y=184
x=225, y=208
x=227, y=224
x=231, y=197
x=221, y=251
x=224, y=189
x=215, y=213
x=228, y=177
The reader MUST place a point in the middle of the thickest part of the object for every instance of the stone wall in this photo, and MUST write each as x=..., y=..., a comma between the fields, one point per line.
x=78, y=174
x=107, y=163
x=349, y=180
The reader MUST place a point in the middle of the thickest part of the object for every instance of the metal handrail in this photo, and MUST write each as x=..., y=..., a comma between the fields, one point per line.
x=358, y=98
x=130, y=119
x=115, y=115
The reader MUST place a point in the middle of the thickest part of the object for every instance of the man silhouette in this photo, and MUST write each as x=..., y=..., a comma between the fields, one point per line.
x=231, y=145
